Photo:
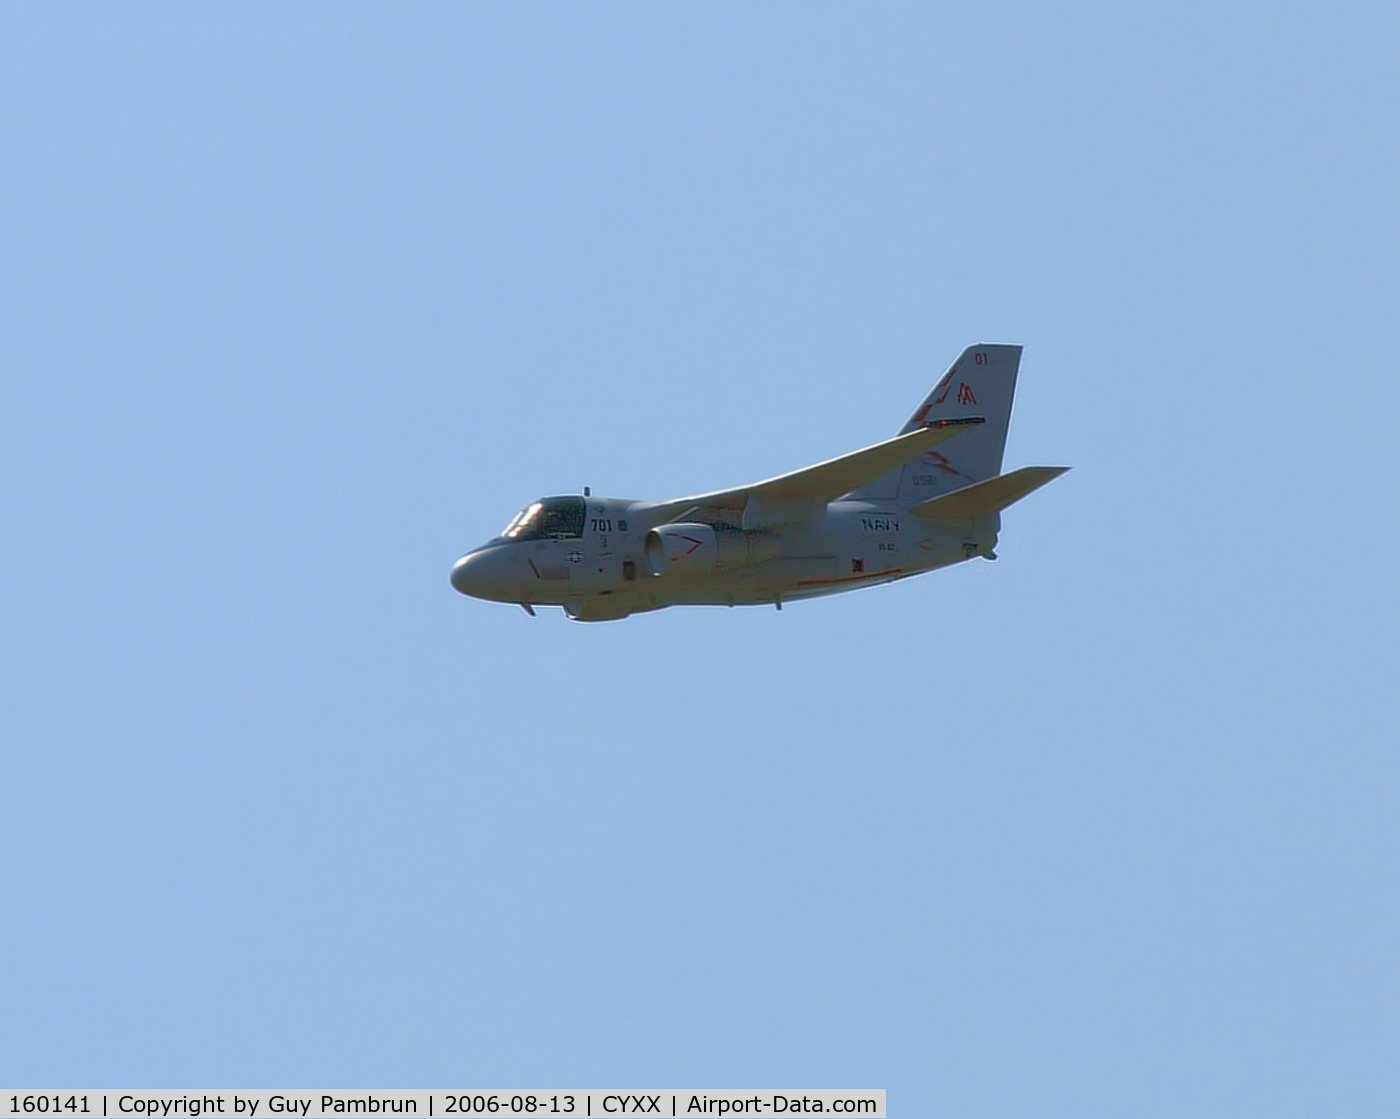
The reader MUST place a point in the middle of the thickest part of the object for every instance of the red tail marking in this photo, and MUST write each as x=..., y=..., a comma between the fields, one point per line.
x=944, y=385
x=944, y=465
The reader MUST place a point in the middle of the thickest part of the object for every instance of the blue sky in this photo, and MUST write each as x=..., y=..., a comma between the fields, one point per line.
x=301, y=302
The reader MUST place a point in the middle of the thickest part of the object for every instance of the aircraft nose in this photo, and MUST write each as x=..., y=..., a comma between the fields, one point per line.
x=466, y=578
x=483, y=573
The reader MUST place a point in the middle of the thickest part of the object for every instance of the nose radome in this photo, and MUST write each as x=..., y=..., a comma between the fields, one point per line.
x=487, y=573
x=464, y=579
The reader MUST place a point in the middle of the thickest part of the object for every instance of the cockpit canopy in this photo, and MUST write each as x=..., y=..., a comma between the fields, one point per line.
x=550, y=518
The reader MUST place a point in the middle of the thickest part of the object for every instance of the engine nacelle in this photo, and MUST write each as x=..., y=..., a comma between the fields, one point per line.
x=699, y=548
x=682, y=547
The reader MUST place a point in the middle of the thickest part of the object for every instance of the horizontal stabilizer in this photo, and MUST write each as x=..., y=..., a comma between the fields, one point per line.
x=982, y=499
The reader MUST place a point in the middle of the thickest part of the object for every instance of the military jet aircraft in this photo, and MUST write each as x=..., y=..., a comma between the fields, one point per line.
x=930, y=497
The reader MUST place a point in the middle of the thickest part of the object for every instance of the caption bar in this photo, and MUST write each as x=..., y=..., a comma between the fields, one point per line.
x=425, y=1104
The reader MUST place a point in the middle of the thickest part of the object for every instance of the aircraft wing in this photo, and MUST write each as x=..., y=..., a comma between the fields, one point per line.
x=804, y=494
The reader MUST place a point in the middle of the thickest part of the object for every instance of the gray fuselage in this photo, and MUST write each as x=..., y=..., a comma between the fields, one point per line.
x=602, y=564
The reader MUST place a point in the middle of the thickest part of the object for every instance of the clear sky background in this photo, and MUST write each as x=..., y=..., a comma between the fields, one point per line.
x=299, y=302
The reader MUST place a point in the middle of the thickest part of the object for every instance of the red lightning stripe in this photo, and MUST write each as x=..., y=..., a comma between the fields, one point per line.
x=850, y=578
x=944, y=385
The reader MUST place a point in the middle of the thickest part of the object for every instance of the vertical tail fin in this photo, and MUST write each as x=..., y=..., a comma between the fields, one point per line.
x=982, y=383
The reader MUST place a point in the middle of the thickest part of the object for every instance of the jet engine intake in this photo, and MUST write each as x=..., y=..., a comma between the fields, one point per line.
x=701, y=547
